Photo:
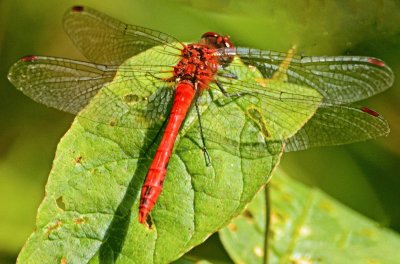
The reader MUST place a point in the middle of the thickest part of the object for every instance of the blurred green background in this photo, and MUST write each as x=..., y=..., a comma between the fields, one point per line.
x=365, y=176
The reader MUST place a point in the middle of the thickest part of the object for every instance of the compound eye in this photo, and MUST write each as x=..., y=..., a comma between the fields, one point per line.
x=215, y=40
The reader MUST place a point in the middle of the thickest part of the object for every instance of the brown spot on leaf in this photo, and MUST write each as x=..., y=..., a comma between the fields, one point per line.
x=63, y=260
x=79, y=221
x=248, y=215
x=113, y=122
x=326, y=206
x=78, y=159
x=53, y=227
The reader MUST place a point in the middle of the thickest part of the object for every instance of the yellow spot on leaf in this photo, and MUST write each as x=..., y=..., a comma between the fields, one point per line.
x=258, y=251
x=287, y=197
x=368, y=232
x=232, y=227
x=326, y=206
x=305, y=231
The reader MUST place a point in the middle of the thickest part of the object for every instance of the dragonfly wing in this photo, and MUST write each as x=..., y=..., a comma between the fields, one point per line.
x=336, y=125
x=105, y=40
x=64, y=84
x=252, y=120
x=339, y=79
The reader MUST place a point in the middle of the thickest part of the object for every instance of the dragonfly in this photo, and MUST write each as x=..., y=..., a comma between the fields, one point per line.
x=330, y=84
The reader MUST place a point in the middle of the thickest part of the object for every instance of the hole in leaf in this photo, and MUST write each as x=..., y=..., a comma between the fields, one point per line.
x=60, y=203
x=78, y=159
x=131, y=98
x=248, y=214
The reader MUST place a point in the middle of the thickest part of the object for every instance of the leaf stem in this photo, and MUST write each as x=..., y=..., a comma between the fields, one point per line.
x=267, y=221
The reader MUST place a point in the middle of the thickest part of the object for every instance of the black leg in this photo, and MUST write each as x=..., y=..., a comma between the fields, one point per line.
x=228, y=75
x=232, y=95
x=206, y=154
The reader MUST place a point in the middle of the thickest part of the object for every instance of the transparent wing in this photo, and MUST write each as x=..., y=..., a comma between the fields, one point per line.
x=335, y=122
x=337, y=125
x=69, y=85
x=64, y=84
x=339, y=79
x=105, y=40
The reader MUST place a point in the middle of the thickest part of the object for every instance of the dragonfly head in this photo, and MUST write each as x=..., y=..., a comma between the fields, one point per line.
x=217, y=41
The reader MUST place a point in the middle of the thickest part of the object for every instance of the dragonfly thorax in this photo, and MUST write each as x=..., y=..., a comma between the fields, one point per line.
x=198, y=65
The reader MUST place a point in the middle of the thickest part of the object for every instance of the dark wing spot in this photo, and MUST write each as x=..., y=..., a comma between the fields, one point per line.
x=29, y=58
x=77, y=8
x=376, y=62
x=369, y=111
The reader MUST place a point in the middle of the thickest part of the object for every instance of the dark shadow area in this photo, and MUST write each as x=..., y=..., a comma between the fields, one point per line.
x=116, y=232
x=7, y=258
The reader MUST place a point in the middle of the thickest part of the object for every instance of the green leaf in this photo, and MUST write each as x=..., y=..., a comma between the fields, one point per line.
x=307, y=226
x=90, y=211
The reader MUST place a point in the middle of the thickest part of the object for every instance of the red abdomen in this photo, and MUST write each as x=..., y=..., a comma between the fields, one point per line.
x=151, y=189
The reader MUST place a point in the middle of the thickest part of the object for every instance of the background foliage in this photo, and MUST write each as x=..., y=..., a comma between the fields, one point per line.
x=363, y=175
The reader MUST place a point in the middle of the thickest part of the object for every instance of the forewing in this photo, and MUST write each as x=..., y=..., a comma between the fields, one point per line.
x=64, y=84
x=105, y=40
x=69, y=85
x=336, y=125
x=339, y=79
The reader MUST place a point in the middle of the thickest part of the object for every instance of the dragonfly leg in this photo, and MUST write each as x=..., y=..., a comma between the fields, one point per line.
x=165, y=79
x=203, y=142
x=222, y=89
x=228, y=75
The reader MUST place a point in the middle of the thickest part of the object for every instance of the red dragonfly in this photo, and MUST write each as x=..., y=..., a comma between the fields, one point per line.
x=198, y=69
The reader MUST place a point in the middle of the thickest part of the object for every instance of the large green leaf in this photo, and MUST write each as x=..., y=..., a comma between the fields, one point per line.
x=307, y=226
x=89, y=213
